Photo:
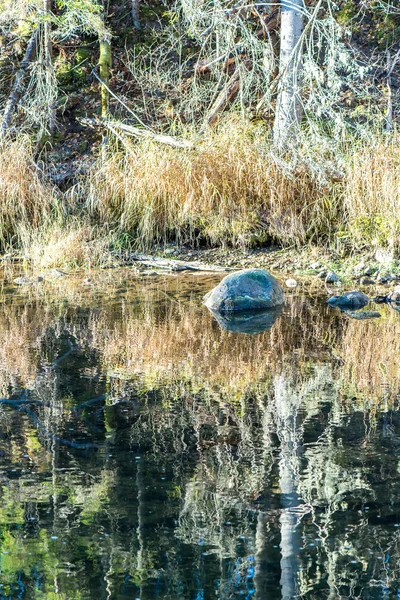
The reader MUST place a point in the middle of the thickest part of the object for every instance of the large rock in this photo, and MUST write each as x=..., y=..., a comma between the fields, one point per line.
x=251, y=289
x=350, y=301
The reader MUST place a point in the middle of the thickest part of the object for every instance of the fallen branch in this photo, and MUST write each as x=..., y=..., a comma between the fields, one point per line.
x=225, y=96
x=146, y=133
x=175, y=265
x=19, y=78
x=138, y=132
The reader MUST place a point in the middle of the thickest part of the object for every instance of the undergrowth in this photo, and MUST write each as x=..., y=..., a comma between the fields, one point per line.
x=227, y=190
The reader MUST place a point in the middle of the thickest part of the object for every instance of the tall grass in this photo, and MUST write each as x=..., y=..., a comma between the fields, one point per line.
x=372, y=194
x=226, y=190
x=26, y=197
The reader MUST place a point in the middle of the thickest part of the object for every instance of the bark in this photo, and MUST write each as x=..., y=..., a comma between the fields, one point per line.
x=18, y=82
x=48, y=57
x=289, y=107
x=105, y=61
x=135, y=14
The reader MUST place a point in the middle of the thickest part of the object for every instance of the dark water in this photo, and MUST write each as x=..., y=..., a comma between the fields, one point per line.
x=145, y=452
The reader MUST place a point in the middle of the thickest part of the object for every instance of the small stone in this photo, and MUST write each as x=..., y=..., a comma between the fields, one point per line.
x=315, y=266
x=170, y=251
x=361, y=315
x=322, y=274
x=394, y=295
x=331, y=277
x=56, y=273
x=358, y=269
x=291, y=283
x=366, y=281
x=382, y=278
x=369, y=271
x=27, y=280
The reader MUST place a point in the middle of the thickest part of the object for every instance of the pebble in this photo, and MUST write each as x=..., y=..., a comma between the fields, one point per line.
x=358, y=269
x=322, y=274
x=331, y=277
x=383, y=278
x=57, y=273
x=367, y=281
x=315, y=266
x=291, y=283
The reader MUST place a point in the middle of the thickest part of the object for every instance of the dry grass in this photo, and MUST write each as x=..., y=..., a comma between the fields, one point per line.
x=74, y=245
x=25, y=197
x=227, y=190
x=372, y=195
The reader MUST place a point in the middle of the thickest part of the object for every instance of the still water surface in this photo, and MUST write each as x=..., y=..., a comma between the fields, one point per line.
x=146, y=452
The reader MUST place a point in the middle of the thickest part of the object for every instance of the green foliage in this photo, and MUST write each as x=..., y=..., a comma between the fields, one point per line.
x=79, y=16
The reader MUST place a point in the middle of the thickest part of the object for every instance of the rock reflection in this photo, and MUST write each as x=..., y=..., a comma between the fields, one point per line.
x=249, y=322
x=225, y=465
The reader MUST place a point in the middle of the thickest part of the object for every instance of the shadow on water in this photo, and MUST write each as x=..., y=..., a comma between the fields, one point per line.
x=149, y=451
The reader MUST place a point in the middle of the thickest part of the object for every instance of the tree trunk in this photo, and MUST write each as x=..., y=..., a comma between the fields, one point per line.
x=135, y=14
x=48, y=58
x=289, y=107
x=18, y=83
x=104, y=67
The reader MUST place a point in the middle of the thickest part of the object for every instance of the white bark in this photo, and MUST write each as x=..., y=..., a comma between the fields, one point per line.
x=289, y=107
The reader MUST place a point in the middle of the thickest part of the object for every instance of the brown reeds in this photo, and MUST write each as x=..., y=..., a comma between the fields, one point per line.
x=227, y=190
x=26, y=198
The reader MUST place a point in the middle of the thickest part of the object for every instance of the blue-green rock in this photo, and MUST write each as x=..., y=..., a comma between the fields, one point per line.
x=350, y=301
x=251, y=289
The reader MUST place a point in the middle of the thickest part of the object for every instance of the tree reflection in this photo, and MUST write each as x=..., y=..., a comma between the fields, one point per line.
x=163, y=457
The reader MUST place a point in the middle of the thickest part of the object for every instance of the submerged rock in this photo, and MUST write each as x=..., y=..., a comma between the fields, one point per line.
x=247, y=321
x=367, y=281
x=362, y=315
x=28, y=280
x=251, y=289
x=350, y=301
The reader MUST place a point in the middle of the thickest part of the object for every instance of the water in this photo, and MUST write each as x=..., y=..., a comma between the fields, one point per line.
x=146, y=452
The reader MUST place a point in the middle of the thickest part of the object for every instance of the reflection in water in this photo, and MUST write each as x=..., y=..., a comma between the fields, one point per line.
x=147, y=453
x=250, y=322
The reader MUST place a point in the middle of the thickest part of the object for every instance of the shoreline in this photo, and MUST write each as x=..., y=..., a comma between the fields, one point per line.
x=369, y=271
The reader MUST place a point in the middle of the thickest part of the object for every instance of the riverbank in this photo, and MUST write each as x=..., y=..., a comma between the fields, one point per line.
x=228, y=193
x=313, y=269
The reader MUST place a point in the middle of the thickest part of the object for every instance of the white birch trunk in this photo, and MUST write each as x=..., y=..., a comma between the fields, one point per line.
x=289, y=107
